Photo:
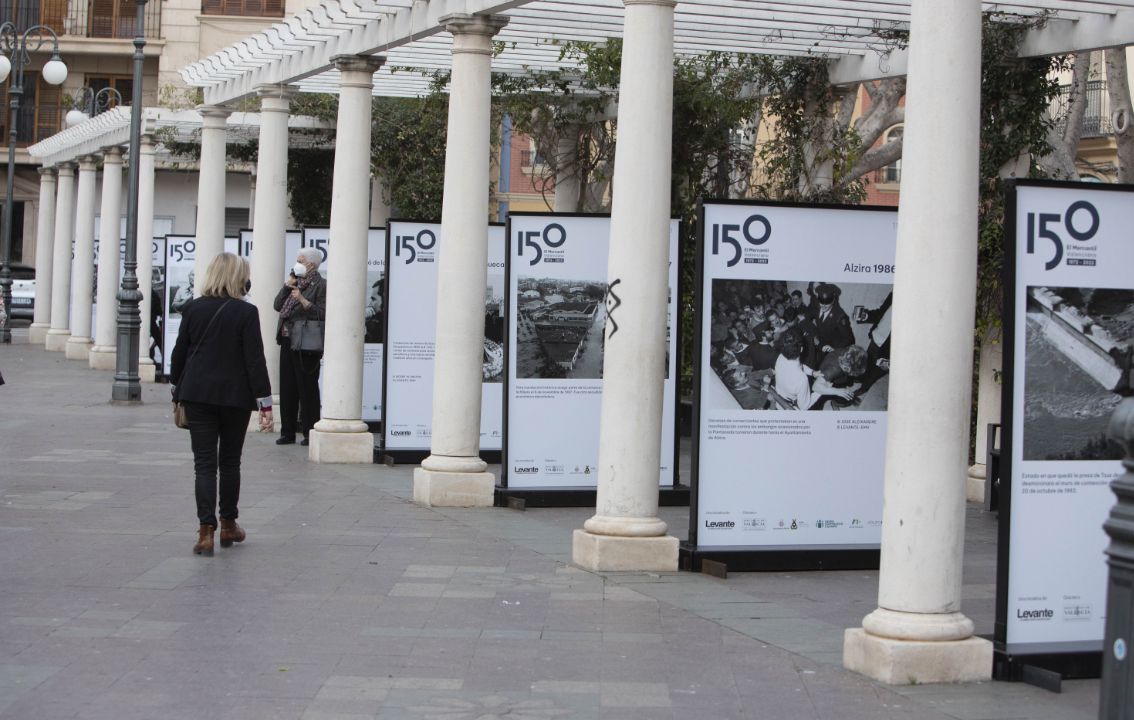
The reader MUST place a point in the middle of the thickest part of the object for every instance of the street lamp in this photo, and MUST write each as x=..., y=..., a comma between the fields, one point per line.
x=16, y=48
x=127, y=386
x=87, y=103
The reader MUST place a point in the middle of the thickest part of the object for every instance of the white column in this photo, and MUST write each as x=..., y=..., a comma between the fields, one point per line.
x=625, y=532
x=210, y=188
x=44, y=241
x=454, y=474
x=106, y=321
x=270, y=217
x=918, y=633
x=147, y=371
x=379, y=208
x=341, y=436
x=60, y=330
x=567, y=181
x=988, y=410
x=251, y=199
x=82, y=265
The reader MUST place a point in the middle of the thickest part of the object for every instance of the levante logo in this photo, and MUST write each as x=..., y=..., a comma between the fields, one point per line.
x=1044, y=614
x=553, y=236
x=719, y=524
x=755, y=231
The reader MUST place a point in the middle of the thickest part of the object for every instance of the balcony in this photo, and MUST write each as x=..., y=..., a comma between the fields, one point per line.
x=1096, y=118
x=105, y=19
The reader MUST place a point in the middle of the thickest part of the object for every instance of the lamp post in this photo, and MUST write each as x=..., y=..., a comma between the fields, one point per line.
x=16, y=48
x=127, y=386
x=87, y=103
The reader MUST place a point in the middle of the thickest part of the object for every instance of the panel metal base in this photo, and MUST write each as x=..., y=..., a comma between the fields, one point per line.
x=675, y=496
x=777, y=559
x=1021, y=668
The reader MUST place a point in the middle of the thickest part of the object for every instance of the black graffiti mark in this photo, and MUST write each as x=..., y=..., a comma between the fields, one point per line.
x=611, y=308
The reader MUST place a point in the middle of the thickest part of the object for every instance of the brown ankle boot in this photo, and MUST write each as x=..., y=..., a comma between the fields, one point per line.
x=230, y=532
x=204, y=544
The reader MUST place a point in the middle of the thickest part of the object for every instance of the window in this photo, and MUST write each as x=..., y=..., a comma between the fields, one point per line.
x=235, y=220
x=892, y=173
x=34, y=12
x=41, y=110
x=243, y=8
x=123, y=84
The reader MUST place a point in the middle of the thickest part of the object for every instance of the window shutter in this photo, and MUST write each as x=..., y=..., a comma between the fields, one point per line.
x=49, y=110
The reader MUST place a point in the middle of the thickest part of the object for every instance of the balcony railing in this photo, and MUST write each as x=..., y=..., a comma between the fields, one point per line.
x=1096, y=117
x=84, y=18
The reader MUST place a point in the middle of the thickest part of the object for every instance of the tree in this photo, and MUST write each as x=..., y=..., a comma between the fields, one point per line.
x=1118, y=88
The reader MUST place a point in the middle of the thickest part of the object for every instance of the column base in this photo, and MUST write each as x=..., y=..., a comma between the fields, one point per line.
x=611, y=553
x=917, y=662
x=147, y=371
x=37, y=333
x=341, y=447
x=56, y=340
x=974, y=483
x=103, y=358
x=453, y=489
x=78, y=348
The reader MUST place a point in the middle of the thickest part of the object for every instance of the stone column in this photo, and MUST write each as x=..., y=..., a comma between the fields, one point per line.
x=251, y=199
x=988, y=410
x=454, y=474
x=147, y=371
x=102, y=355
x=44, y=241
x=918, y=633
x=625, y=532
x=60, y=330
x=567, y=181
x=379, y=208
x=341, y=436
x=82, y=266
x=270, y=217
x=210, y=189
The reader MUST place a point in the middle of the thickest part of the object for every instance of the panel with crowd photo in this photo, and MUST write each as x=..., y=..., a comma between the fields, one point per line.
x=787, y=345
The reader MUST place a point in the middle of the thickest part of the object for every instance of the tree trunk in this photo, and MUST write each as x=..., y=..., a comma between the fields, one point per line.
x=1064, y=141
x=1122, y=115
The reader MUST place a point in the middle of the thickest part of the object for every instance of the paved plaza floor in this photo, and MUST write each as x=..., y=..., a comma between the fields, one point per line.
x=348, y=601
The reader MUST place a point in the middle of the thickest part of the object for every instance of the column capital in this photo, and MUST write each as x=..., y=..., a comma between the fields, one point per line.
x=47, y=172
x=466, y=24
x=66, y=168
x=87, y=163
x=358, y=63
x=213, y=116
x=279, y=91
x=112, y=154
x=147, y=144
x=663, y=3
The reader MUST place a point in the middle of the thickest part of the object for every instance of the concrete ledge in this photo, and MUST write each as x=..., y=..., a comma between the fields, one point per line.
x=602, y=553
x=356, y=448
x=103, y=358
x=37, y=334
x=974, y=483
x=56, y=340
x=449, y=489
x=147, y=372
x=78, y=348
x=914, y=662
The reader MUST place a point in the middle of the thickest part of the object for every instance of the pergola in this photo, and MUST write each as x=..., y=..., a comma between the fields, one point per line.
x=357, y=49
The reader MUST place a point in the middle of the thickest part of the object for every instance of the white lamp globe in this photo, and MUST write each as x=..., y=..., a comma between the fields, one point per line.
x=5, y=67
x=74, y=117
x=54, y=72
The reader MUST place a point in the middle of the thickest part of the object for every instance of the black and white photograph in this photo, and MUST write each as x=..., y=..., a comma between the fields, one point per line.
x=375, y=312
x=494, y=328
x=1079, y=343
x=559, y=331
x=787, y=345
x=181, y=279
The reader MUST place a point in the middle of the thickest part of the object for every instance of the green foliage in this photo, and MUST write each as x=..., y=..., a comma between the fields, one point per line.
x=310, y=178
x=408, y=151
x=1016, y=94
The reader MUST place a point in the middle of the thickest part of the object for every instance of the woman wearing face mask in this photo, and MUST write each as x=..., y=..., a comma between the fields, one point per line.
x=302, y=297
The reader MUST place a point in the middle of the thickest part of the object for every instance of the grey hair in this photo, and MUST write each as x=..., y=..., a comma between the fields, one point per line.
x=312, y=255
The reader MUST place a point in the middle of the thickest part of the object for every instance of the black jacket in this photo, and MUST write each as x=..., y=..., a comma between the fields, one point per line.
x=315, y=293
x=225, y=366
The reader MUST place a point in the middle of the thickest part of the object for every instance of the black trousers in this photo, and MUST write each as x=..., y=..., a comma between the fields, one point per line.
x=217, y=433
x=299, y=391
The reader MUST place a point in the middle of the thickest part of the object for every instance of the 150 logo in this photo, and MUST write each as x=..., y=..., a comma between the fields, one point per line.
x=319, y=244
x=1081, y=222
x=183, y=250
x=425, y=239
x=756, y=231
x=552, y=236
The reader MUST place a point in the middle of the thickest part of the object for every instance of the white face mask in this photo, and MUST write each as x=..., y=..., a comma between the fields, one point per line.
x=299, y=269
